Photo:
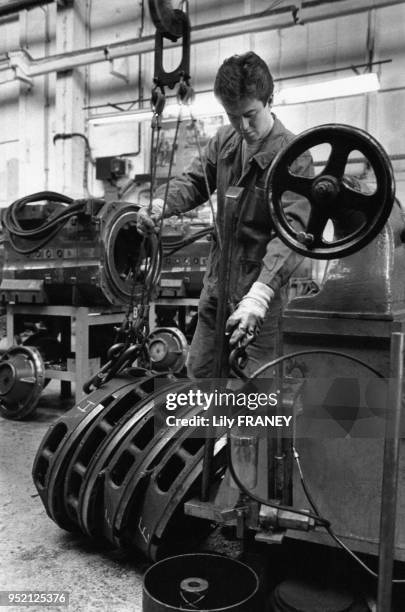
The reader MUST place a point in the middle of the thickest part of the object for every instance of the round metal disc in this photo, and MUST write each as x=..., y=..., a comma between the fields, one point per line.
x=168, y=349
x=125, y=250
x=22, y=377
x=357, y=214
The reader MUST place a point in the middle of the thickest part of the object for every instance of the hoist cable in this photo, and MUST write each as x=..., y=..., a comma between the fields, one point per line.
x=204, y=170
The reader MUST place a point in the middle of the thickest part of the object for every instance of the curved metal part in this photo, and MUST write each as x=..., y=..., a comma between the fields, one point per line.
x=202, y=581
x=168, y=349
x=154, y=522
x=143, y=500
x=125, y=449
x=357, y=216
x=123, y=251
x=131, y=458
x=155, y=533
x=59, y=444
x=22, y=378
x=167, y=20
x=182, y=72
x=114, y=367
x=128, y=414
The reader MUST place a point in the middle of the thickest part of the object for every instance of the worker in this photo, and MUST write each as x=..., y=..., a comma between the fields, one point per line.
x=240, y=154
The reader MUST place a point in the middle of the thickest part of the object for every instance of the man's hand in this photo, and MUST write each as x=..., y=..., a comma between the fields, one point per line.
x=249, y=314
x=149, y=221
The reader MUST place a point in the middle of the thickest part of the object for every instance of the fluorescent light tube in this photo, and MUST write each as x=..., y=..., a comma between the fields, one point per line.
x=349, y=86
x=142, y=114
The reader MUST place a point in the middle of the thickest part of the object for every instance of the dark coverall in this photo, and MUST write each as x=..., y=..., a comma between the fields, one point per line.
x=257, y=254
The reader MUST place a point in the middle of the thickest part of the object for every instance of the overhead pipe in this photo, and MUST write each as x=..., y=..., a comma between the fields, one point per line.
x=313, y=11
x=8, y=7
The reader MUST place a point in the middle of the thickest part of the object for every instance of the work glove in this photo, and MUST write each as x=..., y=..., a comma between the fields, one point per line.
x=149, y=221
x=249, y=315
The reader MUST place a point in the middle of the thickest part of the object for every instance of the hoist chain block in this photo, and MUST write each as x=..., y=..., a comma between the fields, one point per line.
x=172, y=24
x=167, y=20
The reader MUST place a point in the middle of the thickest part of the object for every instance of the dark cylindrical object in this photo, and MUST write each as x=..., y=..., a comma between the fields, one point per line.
x=206, y=582
x=13, y=6
x=390, y=474
x=301, y=596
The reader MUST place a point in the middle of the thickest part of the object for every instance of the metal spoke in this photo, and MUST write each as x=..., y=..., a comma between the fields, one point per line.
x=337, y=161
x=316, y=225
x=352, y=199
x=298, y=184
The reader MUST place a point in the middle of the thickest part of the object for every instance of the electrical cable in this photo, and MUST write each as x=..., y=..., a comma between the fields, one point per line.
x=171, y=163
x=207, y=186
x=278, y=360
x=41, y=235
x=329, y=528
x=265, y=502
x=316, y=514
x=175, y=246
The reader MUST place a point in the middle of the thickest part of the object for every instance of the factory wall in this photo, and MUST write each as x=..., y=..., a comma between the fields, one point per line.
x=32, y=114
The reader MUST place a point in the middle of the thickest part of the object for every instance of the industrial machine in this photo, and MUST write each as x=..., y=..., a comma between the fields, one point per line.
x=72, y=252
x=83, y=253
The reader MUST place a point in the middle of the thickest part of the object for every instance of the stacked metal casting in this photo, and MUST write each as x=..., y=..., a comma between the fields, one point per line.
x=112, y=457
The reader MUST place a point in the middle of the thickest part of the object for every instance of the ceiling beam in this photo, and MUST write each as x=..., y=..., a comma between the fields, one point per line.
x=312, y=11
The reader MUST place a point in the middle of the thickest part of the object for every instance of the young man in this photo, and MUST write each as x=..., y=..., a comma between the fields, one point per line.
x=240, y=154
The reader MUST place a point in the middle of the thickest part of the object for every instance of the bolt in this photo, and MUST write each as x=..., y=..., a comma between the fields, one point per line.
x=305, y=238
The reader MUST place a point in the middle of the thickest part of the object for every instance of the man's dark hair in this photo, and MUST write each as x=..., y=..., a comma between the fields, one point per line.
x=244, y=76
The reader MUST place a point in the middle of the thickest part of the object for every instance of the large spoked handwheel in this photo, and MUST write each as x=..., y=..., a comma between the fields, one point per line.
x=330, y=195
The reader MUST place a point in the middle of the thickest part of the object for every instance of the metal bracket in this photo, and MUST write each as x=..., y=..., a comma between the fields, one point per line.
x=19, y=63
x=170, y=79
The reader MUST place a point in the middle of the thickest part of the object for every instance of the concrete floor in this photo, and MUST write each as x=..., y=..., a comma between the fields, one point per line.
x=35, y=554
